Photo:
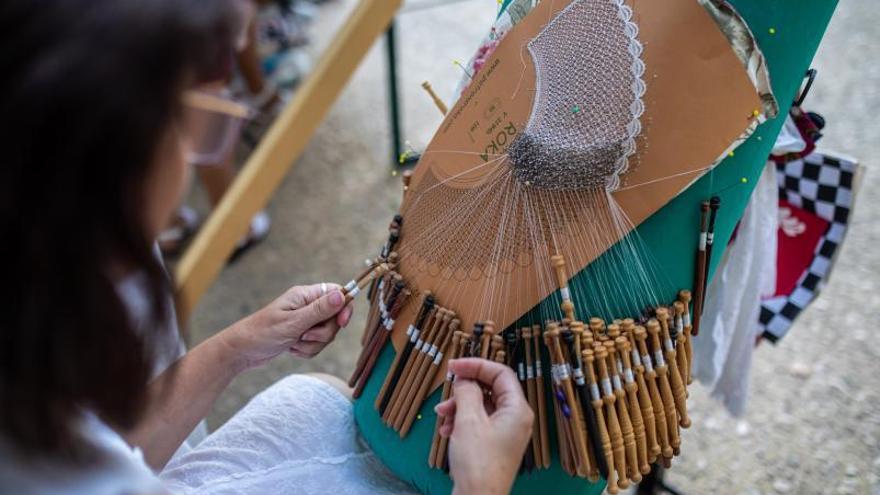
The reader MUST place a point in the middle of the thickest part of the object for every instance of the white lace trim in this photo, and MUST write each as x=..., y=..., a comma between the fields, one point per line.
x=637, y=108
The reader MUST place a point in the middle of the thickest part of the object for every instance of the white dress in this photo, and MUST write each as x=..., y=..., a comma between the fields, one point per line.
x=297, y=436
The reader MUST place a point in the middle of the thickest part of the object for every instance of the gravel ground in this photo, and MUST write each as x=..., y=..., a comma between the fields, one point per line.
x=813, y=422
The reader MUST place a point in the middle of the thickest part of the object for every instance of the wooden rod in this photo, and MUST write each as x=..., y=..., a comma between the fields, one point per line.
x=437, y=101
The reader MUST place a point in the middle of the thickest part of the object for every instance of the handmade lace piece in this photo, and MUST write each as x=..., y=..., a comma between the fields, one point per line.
x=586, y=113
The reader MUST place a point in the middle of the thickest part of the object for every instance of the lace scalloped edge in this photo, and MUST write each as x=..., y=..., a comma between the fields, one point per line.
x=637, y=107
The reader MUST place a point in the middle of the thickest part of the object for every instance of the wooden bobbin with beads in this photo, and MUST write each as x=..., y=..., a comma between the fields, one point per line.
x=685, y=297
x=614, y=431
x=567, y=306
x=678, y=391
x=635, y=410
x=577, y=426
x=542, y=402
x=652, y=381
x=681, y=343
x=532, y=394
x=653, y=328
x=597, y=403
x=623, y=416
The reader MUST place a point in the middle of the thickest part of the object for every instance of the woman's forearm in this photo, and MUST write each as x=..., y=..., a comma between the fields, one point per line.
x=182, y=396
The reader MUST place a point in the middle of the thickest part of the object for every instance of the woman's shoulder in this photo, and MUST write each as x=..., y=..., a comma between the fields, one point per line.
x=118, y=468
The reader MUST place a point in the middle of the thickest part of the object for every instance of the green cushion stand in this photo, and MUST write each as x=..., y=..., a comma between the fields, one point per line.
x=788, y=32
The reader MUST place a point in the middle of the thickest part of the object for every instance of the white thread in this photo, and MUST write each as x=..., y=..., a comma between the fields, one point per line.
x=563, y=372
x=606, y=387
x=687, y=319
x=419, y=344
x=566, y=294
x=409, y=331
x=438, y=359
x=647, y=362
x=432, y=351
x=668, y=344
x=521, y=373
x=637, y=360
x=594, y=391
x=350, y=286
x=658, y=357
x=530, y=372
x=538, y=370
x=702, y=241
x=710, y=238
x=616, y=380
x=355, y=291
x=628, y=375
x=578, y=376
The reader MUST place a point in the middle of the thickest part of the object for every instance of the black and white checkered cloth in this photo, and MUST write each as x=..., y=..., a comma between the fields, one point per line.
x=822, y=184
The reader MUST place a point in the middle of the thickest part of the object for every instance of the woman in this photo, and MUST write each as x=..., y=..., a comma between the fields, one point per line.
x=93, y=168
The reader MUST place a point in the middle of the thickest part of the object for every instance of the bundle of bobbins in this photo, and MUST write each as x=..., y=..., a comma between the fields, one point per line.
x=616, y=391
x=614, y=395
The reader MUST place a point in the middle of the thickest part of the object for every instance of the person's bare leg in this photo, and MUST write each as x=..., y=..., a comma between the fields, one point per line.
x=249, y=61
x=217, y=178
x=334, y=382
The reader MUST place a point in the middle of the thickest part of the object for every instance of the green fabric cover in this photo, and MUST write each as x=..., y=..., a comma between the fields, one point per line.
x=670, y=234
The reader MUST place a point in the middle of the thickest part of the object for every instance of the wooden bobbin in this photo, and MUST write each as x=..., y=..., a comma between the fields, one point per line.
x=532, y=395
x=623, y=416
x=572, y=338
x=653, y=328
x=577, y=425
x=562, y=430
x=416, y=367
x=427, y=378
x=700, y=269
x=463, y=345
x=613, y=423
x=488, y=333
x=635, y=410
x=375, y=346
x=627, y=327
x=496, y=344
x=654, y=391
x=685, y=297
x=644, y=397
x=542, y=403
x=396, y=369
x=597, y=403
x=678, y=391
x=567, y=306
x=444, y=395
x=681, y=343
x=361, y=283
x=430, y=328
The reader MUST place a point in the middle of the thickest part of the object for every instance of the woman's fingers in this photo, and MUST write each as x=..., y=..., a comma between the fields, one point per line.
x=307, y=349
x=445, y=408
x=320, y=310
x=506, y=390
x=344, y=316
x=324, y=333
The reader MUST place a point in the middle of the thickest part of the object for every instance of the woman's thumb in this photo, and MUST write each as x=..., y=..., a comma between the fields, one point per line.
x=321, y=309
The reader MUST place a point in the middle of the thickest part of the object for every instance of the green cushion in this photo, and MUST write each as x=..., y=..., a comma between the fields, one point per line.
x=788, y=32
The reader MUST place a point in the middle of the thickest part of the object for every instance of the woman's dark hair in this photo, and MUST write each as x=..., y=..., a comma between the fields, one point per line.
x=88, y=89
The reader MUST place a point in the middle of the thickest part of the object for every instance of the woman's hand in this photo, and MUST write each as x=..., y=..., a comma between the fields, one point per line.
x=488, y=434
x=303, y=321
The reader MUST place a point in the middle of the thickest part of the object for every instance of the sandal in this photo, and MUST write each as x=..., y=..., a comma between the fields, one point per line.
x=173, y=239
x=259, y=230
